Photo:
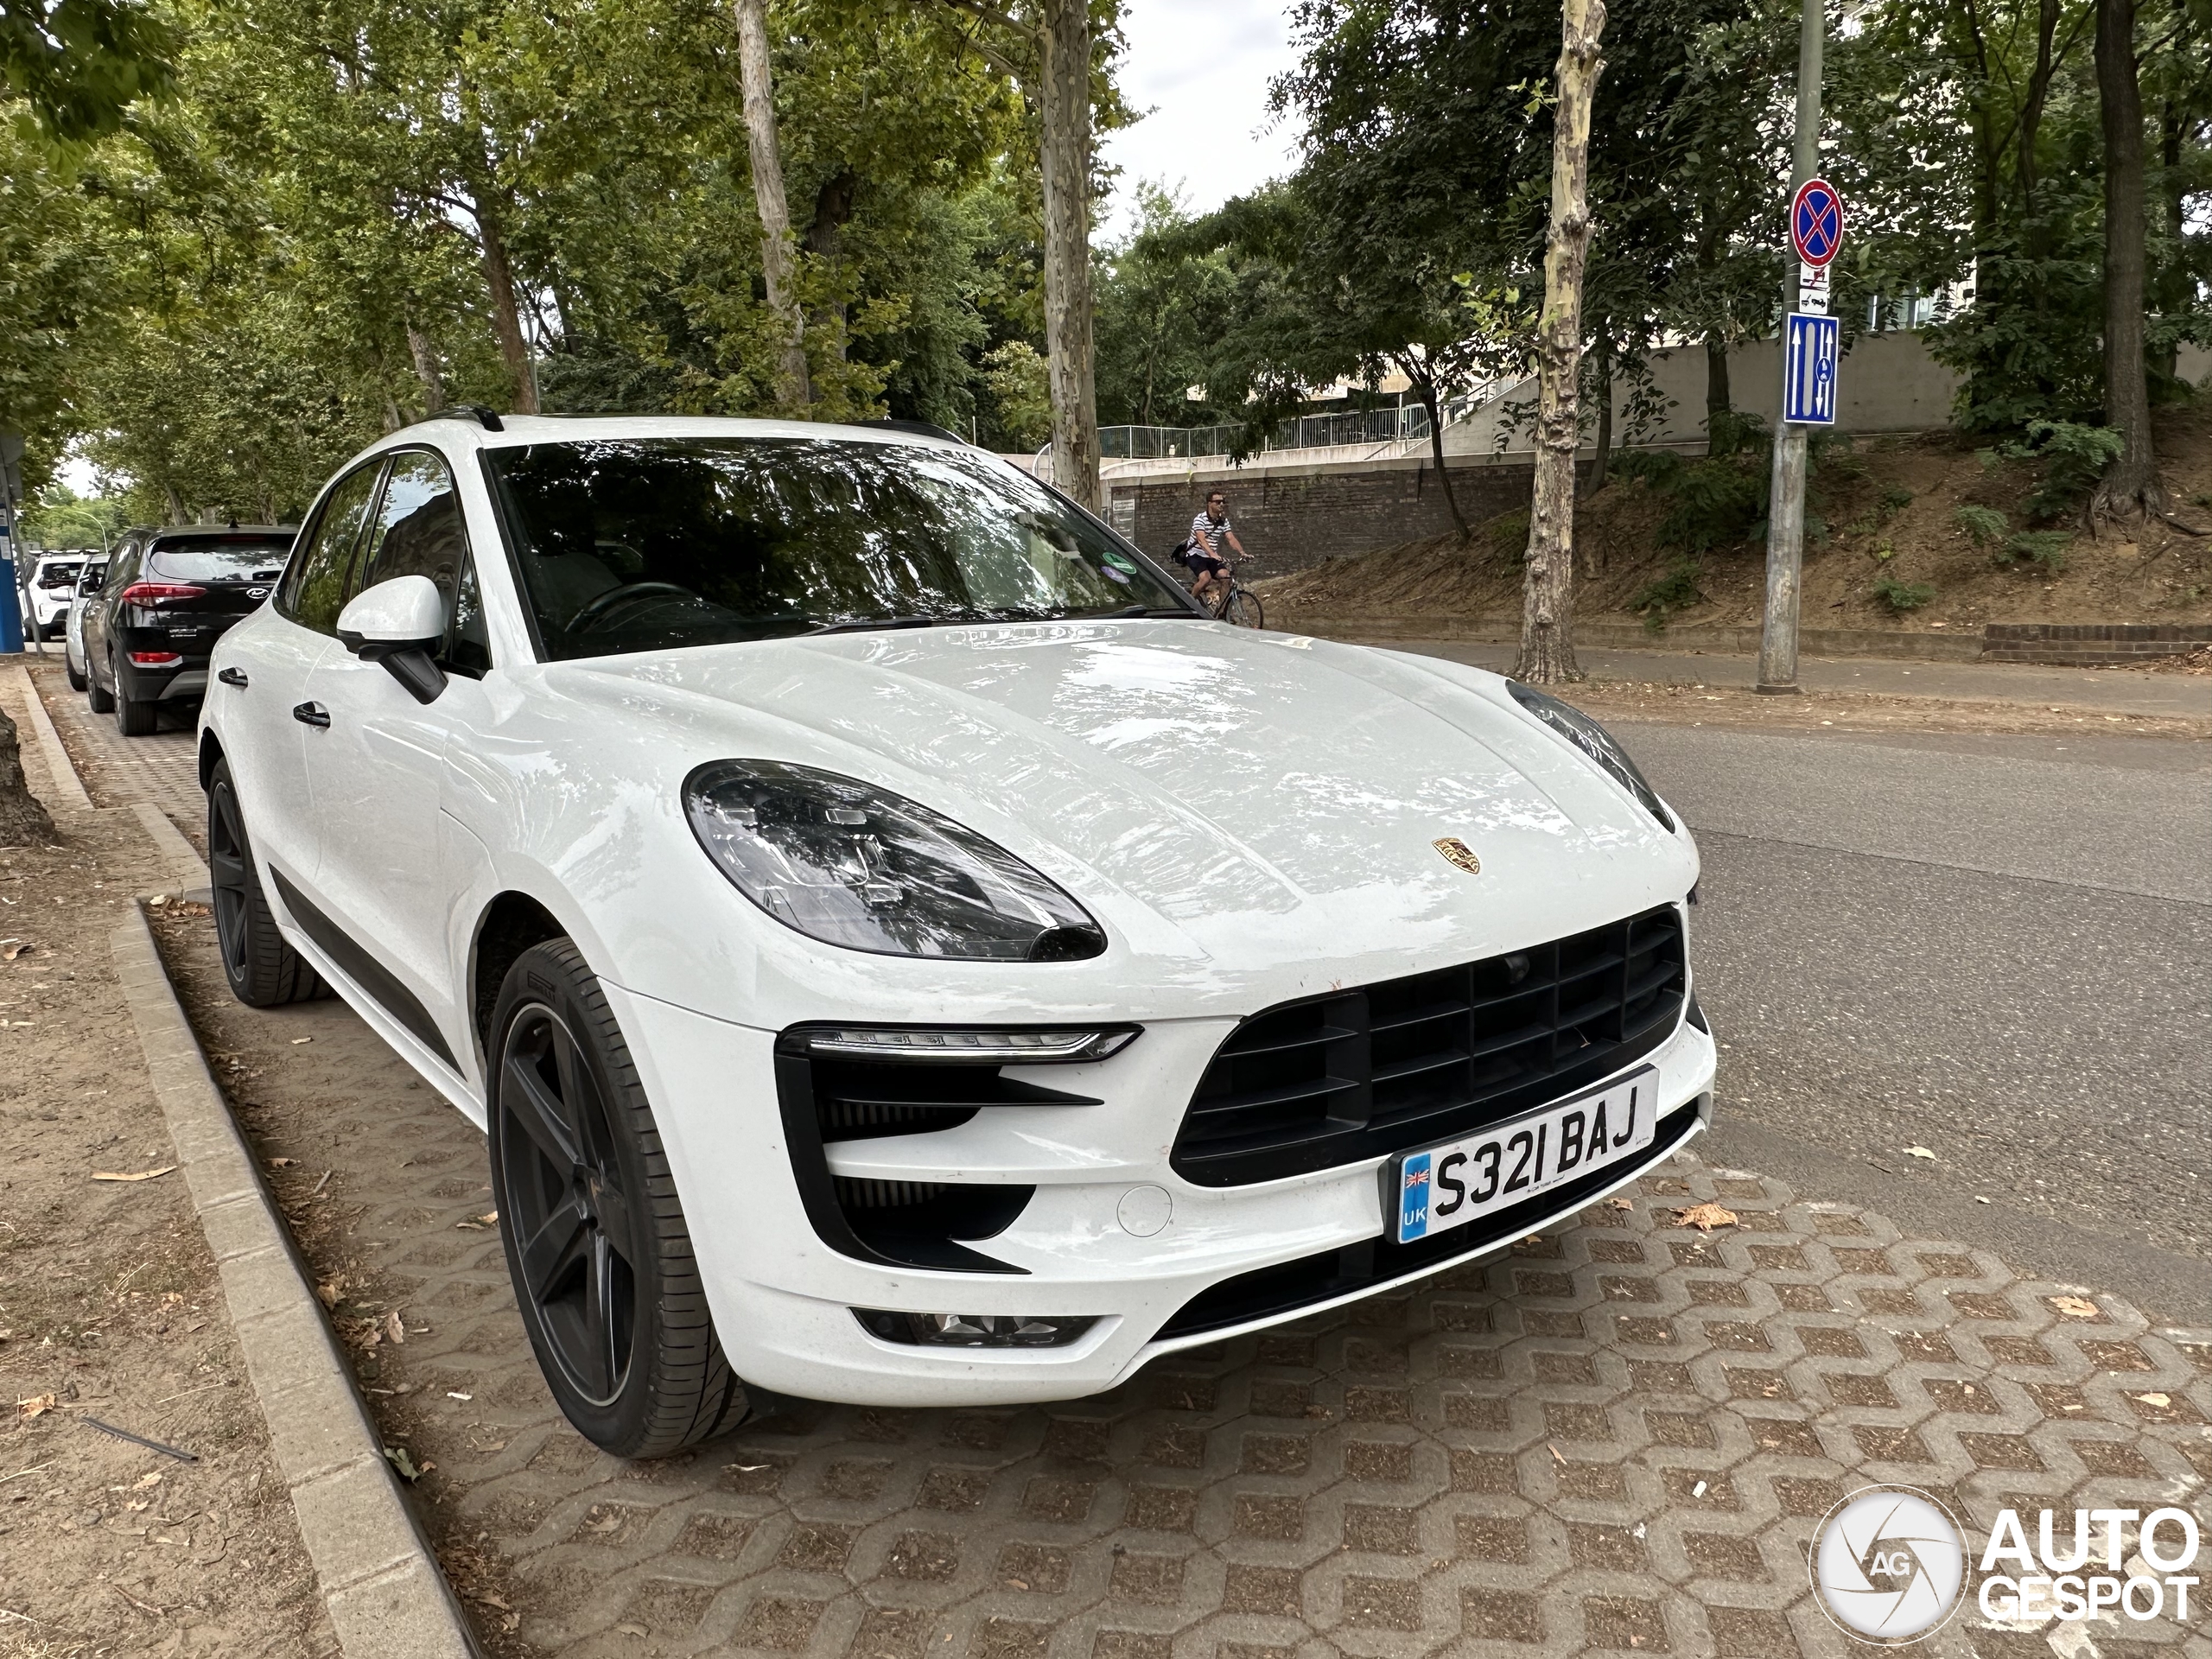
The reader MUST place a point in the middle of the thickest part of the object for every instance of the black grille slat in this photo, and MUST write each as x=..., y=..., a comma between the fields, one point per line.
x=1381, y=1068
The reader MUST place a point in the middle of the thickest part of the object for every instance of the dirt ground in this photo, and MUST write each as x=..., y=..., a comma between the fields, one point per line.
x=110, y=1310
x=1890, y=510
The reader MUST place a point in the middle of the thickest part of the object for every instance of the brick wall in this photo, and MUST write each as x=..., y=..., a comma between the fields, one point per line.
x=1289, y=520
x=2090, y=644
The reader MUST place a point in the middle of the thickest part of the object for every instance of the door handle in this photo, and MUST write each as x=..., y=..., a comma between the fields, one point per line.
x=311, y=714
x=233, y=676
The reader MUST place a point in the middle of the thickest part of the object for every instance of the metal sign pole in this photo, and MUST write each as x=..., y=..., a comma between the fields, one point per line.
x=1785, y=532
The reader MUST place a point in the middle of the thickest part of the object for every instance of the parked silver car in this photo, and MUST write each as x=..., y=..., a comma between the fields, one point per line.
x=73, y=648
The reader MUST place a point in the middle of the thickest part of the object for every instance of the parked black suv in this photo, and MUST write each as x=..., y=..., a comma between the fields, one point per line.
x=169, y=595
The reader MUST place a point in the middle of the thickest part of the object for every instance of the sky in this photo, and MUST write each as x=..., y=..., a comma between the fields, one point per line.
x=1202, y=69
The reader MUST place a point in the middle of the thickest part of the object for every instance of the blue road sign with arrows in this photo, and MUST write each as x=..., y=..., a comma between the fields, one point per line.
x=1810, y=347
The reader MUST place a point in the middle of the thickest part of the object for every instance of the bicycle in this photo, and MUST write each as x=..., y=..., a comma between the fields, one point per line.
x=1238, y=606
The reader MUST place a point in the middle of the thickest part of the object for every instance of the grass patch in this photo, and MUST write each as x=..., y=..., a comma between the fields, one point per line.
x=1903, y=596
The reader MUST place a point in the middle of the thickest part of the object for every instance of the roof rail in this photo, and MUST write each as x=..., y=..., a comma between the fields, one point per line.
x=472, y=411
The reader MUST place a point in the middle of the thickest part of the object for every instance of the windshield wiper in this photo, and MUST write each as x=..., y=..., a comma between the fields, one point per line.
x=863, y=624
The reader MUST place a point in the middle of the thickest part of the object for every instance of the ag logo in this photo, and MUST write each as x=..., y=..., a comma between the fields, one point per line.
x=1890, y=1564
x=1457, y=852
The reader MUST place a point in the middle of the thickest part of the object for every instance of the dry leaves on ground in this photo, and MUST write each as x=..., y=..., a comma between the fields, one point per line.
x=138, y=1175
x=1704, y=1217
x=2074, y=1307
x=37, y=1405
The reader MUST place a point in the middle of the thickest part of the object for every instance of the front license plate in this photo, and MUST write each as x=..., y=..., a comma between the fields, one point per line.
x=1462, y=1180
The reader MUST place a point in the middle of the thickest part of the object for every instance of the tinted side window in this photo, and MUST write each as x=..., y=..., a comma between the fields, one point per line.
x=418, y=532
x=315, y=587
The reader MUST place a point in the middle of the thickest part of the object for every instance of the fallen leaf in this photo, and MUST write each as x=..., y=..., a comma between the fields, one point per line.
x=608, y=1524
x=1558, y=1456
x=741, y=1468
x=397, y=1455
x=1618, y=1203
x=327, y=1293
x=1018, y=1584
x=393, y=1329
x=1918, y=1152
x=2161, y=1401
x=37, y=1405
x=141, y=1175
x=282, y=1163
x=454, y=1395
x=15, y=948
x=154, y=1479
x=1704, y=1217
x=296, y=1041
x=2074, y=1307
x=629, y=1629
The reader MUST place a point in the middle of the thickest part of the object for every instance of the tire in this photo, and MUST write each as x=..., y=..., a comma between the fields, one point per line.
x=264, y=972
x=610, y=1293
x=1242, y=609
x=134, y=718
x=76, y=681
x=97, y=697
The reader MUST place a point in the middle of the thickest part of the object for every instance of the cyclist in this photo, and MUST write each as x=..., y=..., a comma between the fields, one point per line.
x=1203, y=554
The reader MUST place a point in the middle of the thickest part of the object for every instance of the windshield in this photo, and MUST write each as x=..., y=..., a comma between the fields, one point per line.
x=646, y=544
x=222, y=559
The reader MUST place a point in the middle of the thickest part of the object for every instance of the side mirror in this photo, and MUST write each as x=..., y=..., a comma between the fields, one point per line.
x=401, y=623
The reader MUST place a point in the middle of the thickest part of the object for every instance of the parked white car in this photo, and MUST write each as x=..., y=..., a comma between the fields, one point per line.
x=52, y=585
x=72, y=636
x=902, y=953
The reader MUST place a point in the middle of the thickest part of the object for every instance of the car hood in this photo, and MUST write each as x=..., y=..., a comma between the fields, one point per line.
x=1212, y=793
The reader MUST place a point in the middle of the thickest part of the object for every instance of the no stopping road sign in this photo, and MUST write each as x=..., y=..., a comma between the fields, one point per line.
x=1817, y=221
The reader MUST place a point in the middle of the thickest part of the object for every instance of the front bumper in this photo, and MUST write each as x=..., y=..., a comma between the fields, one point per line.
x=782, y=1300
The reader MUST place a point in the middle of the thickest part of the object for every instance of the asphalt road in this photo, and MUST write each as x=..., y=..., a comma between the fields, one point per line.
x=1993, y=948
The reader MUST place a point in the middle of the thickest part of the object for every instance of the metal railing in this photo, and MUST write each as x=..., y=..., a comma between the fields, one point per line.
x=1408, y=424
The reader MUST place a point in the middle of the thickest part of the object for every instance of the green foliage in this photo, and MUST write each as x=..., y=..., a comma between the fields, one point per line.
x=1657, y=599
x=1014, y=377
x=1985, y=525
x=2073, y=455
x=1508, y=535
x=1903, y=596
x=59, y=517
x=78, y=65
x=1715, y=503
x=2045, y=548
x=1895, y=499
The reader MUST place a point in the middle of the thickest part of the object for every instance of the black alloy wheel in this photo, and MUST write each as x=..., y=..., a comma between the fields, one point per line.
x=264, y=970
x=595, y=1241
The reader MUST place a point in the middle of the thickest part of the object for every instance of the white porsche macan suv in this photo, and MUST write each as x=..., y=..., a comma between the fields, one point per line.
x=900, y=950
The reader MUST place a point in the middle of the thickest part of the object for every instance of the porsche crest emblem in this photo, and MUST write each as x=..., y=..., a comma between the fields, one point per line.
x=1457, y=852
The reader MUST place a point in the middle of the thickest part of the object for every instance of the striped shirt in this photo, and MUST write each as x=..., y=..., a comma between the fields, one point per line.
x=1215, y=533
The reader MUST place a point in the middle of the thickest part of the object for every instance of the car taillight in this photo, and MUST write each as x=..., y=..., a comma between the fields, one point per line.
x=155, y=659
x=160, y=593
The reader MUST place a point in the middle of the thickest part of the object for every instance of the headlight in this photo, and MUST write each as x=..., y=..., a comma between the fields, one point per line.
x=1594, y=741
x=851, y=864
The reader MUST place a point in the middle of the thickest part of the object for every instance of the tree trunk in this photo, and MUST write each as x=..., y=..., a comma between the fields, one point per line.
x=1719, y=423
x=792, y=390
x=506, y=318
x=426, y=369
x=1605, y=390
x=1548, y=601
x=178, y=515
x=23, y=817
x=825, y=240
x=2131, y=483
x=2031, y=108
x=1425, y=389
x=1064, y=98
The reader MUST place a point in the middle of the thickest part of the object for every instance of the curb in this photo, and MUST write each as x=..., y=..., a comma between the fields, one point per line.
x=386, y=1596
x=67, y=784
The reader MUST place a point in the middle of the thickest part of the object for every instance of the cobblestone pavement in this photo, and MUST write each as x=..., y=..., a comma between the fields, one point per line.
x=1616, y=1438
x=119, y=771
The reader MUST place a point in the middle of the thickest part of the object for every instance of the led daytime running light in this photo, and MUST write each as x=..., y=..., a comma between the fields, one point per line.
x=958, y=1046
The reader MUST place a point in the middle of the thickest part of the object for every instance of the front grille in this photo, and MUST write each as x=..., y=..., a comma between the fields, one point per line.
x=1365, y=1072
x=1274, y=1292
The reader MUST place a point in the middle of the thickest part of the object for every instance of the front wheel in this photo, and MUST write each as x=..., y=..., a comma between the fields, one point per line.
x=263, y=971
x=1242, y=609
x=595, y=1239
